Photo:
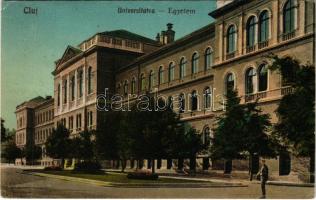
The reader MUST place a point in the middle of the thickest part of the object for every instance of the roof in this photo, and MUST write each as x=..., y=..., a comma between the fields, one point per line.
x=68, y=53
x=124, y=34
x=182, y=41
x=32, y=103
x=227, y=8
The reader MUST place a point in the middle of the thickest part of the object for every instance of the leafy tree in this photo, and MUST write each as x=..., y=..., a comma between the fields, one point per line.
x=11, y=151
x=58, y=144
x=3, y=131
x=82, y=147
x=296, y=111
x=31, y=152
x=227, y=142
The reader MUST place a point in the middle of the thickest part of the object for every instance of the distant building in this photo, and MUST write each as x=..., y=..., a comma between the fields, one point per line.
x=229, y=53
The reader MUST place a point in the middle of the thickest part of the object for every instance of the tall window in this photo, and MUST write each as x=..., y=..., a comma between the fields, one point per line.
x=206, y=136
x=250, y=77
x=171, y=71
x=133, y=86
x=142, y=82
x=160, y=79
x=230, y=82
x=65, y=91
x=289, y=16
x=195, y=63
x=264, y=26
x=263, y=77
x=182, y=103
x=207, y=97
x=89, y=80
x=251, y=26
x=208, y=58
x=194, y=101
x=58, y=95
x=73, y=84
x=183, y=63
x=231, y=39
x=151, y=79
x=125, y=87
x=80, y=83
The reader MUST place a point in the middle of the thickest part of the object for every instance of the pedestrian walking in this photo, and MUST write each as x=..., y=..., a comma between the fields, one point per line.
x=263, y=174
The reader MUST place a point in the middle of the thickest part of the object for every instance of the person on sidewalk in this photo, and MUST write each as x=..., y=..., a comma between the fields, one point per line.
x=263, y=174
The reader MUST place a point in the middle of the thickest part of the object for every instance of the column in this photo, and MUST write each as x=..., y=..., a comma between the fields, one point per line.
x=76, y=86
x=68, y=92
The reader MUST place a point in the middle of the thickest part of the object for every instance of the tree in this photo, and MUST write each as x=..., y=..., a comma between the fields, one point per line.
x=31, y=152
x=82, y=147
x=296, y=111
x=227, y=143
x=11, y=151
x=3, y=131
x=58, y=144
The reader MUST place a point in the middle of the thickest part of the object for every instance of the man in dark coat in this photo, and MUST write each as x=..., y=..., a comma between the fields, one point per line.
x=264, y=175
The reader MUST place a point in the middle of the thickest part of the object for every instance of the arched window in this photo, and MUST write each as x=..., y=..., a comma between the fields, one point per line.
x=250, y=78
x=182, y=103
x=160, y=79
x=231, y=39
x=251, y=26
x=80, y=83
x=230, y=82
x=170, y=102
x=73, y=84
x=125, y=87
x=89, y=80
x=65, y=91
x=183, y=63
x=195, y=63
x=58, y=95
x=171, y=71
x=208, y=56
x=289, y=16
x=207, y=98
x=151, y=79
x=142, y=82
x=206, y=136
x=133, y=86
x=263, y=77
x=264, y=26
x=194, y=101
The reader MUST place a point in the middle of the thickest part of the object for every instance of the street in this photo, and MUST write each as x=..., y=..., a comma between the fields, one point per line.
x=15, y=183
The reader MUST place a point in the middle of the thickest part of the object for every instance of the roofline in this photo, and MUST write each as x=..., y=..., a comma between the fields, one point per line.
x=227, y=8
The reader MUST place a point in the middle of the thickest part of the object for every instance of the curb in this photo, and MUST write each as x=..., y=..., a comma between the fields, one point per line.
x=290, y=184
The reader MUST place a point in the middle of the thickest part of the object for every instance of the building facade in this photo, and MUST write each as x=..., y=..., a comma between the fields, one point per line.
x=195, y=70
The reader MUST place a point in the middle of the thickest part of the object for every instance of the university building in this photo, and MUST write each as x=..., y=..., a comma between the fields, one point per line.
x=195, y=70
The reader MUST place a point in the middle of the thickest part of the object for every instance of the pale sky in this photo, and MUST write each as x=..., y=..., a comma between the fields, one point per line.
x=31, y=43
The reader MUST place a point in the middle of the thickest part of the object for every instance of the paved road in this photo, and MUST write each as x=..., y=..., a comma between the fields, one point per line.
x=14, y=183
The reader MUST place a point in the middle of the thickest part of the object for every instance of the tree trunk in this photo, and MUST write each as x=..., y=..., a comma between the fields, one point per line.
x=153, y=166
x=227, y=166
x=250, y=166
x=312, y=168
x=123, y=165
x=62, y=163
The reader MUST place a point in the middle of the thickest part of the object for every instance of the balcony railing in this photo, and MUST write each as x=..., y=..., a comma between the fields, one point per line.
x=230, y=55
x=253, y=97
x=250, y=48
x=263, y=44
x=277, y=93
x=287, y=90
x=288, y=36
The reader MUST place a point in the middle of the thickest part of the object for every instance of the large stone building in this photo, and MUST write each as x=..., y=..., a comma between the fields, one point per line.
x=195, y=70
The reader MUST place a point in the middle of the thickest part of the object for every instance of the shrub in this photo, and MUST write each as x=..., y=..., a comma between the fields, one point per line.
x=88, y=166
x=142, y=176
x=53, y=168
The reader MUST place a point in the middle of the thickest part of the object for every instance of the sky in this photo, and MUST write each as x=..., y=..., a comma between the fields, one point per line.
x=30, y=43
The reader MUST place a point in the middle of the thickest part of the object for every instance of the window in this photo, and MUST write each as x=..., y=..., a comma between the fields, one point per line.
x=264, y=26
x=89, y=80
x=142, y=82
x=194, y=101
x=73, y=82
x=263, y=77
x=151, y=79
x=171, y=71
x=182, y=103
x=133, y=86
x=250, y=77
x=230, y=82
x=125, y=87
x=208, y=58
x=182, y=67
x=289, y=17
x=206, y=136
x=58, y=95
x=195, y=63
x=91, y=118
x=65, y=91
x=170, y=102
x=231, y=39
x=80, y=84
x=78, y=121
x=160, y=79
x=251, y=26
x=207, y=98
x=70, y=122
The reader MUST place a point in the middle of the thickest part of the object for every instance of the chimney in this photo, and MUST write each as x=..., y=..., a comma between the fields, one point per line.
x=158, y=37
x=170, y=33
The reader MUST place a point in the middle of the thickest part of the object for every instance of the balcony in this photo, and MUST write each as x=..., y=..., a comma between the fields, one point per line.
x=288, y=36
x=263, y=44
x=253, y=97
x=230, y=55
x=268, y=95
x=250, y=49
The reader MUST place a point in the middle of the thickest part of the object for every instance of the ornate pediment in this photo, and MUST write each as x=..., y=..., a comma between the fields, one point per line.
x=68, y=54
